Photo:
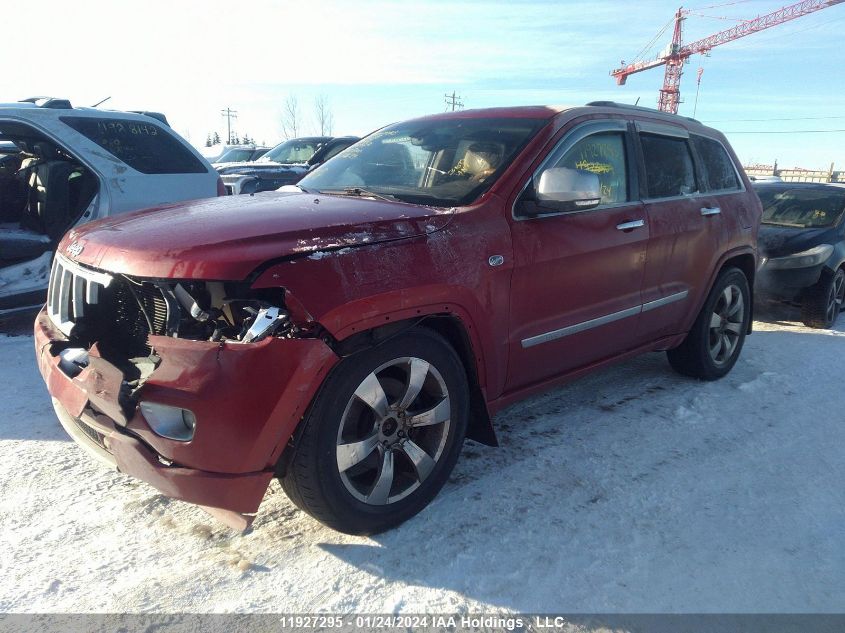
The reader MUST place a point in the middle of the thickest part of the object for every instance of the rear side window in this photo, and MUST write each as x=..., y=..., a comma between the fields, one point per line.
x=719, y=172
x=604, y=155
x=144, y=146
x=668, y=166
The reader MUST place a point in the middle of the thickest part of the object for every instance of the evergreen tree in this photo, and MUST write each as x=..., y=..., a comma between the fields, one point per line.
x=208, y=140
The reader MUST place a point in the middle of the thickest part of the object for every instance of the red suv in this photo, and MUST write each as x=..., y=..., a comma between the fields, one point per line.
x=347, y=336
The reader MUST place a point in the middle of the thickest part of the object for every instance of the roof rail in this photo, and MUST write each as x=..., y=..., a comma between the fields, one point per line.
x=49, y=102
x=614, y=104
x=158, y=116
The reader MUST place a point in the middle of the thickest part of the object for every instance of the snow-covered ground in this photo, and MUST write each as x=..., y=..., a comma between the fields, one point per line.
x=631, y=490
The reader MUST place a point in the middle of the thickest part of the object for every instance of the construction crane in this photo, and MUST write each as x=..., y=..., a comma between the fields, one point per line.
x=677, y=53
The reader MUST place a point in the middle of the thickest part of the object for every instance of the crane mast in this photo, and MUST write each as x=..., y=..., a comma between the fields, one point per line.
x=677, y=53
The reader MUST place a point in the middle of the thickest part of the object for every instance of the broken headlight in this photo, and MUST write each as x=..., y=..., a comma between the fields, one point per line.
x=218, y=311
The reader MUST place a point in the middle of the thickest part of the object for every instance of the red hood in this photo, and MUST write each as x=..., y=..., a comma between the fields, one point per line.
x=226, y=238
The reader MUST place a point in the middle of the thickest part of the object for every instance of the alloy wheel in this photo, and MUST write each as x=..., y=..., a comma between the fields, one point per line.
x=726, y=324
x=837, y=295
x=393, y=431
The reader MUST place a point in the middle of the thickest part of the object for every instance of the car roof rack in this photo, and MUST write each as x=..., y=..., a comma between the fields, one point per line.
x=627, y=106
x=158, y=116
x=49, y=102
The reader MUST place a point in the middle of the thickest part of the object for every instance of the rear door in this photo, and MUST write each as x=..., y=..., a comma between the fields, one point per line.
x=685, y=228
x=575, y=292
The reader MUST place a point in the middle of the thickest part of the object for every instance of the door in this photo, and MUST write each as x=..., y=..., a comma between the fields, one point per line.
x=685, y=229
x=575, y=291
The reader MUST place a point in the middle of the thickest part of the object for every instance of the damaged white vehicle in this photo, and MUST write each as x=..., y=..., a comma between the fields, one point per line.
x=76, y=165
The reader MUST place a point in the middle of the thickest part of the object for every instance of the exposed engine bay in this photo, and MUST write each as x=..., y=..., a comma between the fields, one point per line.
x=120, y=316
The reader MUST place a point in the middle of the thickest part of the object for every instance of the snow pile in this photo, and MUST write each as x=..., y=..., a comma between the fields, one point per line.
x=631, y=490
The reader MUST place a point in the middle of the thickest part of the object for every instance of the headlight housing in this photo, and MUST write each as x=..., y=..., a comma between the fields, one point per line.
x=805, y=259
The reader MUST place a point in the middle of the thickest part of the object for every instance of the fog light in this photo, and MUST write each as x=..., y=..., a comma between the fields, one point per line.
x=170, y=422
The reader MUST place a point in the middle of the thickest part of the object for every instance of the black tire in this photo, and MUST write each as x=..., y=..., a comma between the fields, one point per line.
x=314, y=480
x=695, y=356
x=822, y=303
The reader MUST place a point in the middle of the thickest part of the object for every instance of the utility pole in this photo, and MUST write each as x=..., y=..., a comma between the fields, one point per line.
x=453, y=100
x=229, y=114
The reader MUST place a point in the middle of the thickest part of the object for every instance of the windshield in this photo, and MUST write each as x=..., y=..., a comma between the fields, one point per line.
x=292, y=151
x=439, y=163
x=801, y=207
x=235, y=156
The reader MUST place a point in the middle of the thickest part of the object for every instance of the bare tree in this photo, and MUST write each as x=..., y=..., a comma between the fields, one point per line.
x=290, y=117
x=323, y=114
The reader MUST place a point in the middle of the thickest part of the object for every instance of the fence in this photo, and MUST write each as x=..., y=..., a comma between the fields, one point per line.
x=796, y=175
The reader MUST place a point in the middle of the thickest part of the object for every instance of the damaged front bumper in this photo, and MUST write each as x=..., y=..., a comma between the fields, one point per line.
x=246, y=398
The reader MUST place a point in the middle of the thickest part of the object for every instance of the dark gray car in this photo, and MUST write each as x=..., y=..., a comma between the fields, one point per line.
x=802, y=241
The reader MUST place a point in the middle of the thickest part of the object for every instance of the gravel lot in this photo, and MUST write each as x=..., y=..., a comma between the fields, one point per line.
x=631, y=490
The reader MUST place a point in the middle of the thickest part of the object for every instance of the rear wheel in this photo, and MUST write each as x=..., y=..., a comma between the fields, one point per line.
x=382, y=436
x=823, y=302
x=712, y=346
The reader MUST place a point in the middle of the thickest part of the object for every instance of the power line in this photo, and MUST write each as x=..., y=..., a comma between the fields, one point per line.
x=797, y=118
x=785, y=132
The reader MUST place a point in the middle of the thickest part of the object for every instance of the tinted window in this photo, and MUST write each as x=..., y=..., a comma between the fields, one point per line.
x=334, y=151
x=603, y=155
x=718, y=168
x=143, y=146
x=802, y=207
x=668, y=165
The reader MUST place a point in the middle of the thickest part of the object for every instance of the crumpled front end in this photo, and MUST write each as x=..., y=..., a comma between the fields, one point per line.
x=194, y=390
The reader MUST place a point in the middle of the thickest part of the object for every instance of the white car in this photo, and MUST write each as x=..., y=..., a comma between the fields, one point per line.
x=76, y=165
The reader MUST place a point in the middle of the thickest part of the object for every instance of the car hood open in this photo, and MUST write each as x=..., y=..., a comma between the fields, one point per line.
x=227, y=238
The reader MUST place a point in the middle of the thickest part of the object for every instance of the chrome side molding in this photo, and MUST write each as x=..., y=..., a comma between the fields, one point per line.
x=603, y=320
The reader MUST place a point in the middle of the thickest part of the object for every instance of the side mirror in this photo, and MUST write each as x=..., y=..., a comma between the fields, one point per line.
x=560, y=189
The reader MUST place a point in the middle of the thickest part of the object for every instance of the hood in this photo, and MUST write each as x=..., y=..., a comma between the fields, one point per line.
x=226, y=238
x=255, y=167
x=779, y=241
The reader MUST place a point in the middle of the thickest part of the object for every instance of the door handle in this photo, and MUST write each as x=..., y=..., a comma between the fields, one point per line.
x=710, y=210
x=628, y=226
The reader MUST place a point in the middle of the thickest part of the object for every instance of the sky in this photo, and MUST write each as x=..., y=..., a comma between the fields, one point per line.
x=377, y=62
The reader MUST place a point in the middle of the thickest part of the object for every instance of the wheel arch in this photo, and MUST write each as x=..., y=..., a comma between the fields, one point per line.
x=745, y=261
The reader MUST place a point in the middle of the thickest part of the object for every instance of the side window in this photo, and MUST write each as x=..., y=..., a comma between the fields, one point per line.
x=604, y=155
x=334, y=151
x=145, y=147
x=668, y=166
x=718, y=167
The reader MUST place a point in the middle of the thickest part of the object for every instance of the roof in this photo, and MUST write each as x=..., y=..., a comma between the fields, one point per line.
x=514, y=112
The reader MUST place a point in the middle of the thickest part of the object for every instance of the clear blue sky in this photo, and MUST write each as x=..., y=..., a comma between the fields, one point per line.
x=379, y=62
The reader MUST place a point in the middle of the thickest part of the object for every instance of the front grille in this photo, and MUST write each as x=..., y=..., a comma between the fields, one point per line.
x=97, y=437
x=73, y=290
x=117, y=312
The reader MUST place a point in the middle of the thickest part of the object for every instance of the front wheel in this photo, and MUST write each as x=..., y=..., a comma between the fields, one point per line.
x=382, y=436
x=823, y=302
x=712, y=346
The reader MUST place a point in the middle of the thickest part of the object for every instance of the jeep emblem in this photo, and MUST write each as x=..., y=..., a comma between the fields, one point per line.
x=75, y=249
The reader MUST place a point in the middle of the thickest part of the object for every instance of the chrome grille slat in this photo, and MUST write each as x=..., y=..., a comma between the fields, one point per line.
x=64, y=295
x=78, y=297
x=72, y=287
